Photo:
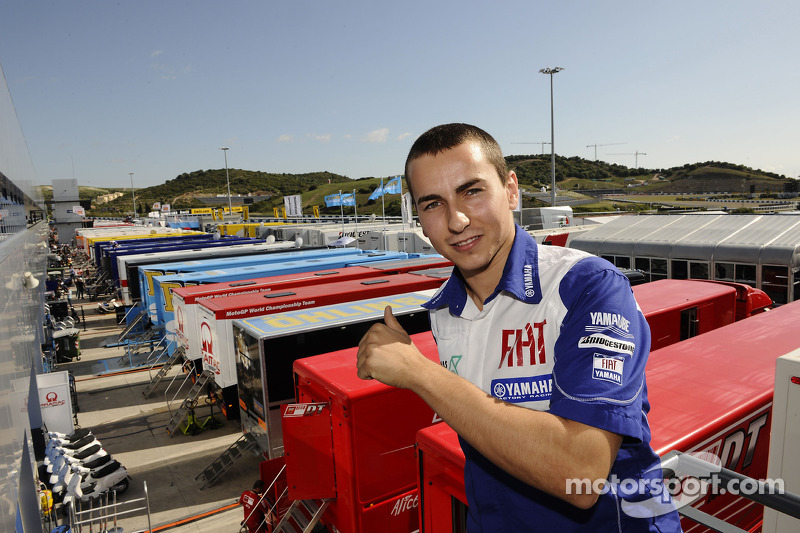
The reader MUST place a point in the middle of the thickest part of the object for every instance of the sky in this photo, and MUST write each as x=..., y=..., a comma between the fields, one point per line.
x=104, y=88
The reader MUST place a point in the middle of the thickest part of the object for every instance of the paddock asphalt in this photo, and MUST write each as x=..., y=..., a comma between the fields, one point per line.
x=132, y=429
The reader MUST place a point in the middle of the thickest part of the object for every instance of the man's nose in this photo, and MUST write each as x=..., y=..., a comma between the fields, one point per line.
x=458, y=220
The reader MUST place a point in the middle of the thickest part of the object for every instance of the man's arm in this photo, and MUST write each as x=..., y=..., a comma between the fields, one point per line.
x=536, y=447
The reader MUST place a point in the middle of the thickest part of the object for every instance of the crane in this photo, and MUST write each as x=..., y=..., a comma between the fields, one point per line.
x=637, y=154
x=542, y=143
x=596, y=145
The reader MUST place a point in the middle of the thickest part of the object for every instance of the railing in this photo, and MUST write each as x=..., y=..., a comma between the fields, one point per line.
x=104, y=517
x=680, y=465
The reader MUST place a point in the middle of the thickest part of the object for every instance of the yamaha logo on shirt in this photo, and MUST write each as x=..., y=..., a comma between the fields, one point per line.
x=527, y=276
x=519, y=390
x=608, y=368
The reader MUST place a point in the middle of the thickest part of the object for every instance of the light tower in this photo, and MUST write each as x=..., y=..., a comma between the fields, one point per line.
x=552, y=71
x=227, y=179
x=133, y=193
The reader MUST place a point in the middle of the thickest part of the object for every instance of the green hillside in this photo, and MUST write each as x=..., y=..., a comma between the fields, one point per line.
x=573, y=174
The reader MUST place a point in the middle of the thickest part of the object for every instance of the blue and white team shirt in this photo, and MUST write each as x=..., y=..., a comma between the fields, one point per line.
x=561, y=333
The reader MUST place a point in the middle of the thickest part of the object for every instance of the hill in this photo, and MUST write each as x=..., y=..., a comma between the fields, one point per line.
x=572, y=173
x=580, y=174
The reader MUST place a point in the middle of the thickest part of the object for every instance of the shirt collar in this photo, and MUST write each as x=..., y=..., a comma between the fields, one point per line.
x=520, y=278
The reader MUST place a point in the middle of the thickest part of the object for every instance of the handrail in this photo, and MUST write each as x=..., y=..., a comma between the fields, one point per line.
x=271, y=509
x=676, y=464
x=187, y=376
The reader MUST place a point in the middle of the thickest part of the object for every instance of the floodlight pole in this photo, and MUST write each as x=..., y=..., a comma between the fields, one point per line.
x=133, y=193
x=227, y=179
x=552, y=71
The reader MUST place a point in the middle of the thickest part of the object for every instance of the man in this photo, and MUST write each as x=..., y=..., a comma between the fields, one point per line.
x=542, y=355
x=257, y=515
x=80, y=284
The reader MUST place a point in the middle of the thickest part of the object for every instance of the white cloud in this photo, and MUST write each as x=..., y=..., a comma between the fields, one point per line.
x=377, y=136
x=285, y=138
x=322, y=138
x=157, y=53
x=403, y=136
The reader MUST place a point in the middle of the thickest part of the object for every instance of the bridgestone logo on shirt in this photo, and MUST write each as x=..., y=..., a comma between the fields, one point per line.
x=604, y=341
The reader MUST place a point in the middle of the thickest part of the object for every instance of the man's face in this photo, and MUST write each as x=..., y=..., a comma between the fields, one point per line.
x=464, y=209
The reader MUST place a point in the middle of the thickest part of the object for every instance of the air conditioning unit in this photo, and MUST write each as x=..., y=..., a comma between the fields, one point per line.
x=784, y=461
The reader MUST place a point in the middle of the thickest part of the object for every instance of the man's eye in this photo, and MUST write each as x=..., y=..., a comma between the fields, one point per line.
x=430, y=206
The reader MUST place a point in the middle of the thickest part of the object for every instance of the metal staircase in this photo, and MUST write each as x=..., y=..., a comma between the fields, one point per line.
x=177, y=355
x=138, y=320
x=188, y=403
x=213, y=472
x=302, y=516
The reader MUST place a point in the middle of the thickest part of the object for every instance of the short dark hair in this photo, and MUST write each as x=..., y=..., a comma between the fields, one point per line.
x=258, y=485
x=447, y=136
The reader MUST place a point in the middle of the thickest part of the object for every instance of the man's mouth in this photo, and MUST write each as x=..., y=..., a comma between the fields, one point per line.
x=465, y=243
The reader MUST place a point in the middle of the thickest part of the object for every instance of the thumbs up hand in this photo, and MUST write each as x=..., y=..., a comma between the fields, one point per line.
x=387, y=354
x=392, y=323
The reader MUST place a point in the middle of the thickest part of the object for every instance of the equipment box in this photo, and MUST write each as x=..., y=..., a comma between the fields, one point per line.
x=368, y=454
x=68, y=344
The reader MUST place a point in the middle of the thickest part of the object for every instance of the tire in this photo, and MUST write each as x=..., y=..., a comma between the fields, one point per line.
x=121, y=487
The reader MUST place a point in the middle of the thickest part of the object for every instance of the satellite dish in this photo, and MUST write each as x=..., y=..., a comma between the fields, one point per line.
x=298, y=242
x=342, y=241
x=270, y=239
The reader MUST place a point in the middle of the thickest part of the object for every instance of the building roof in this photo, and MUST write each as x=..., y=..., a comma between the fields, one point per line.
x=755, y=239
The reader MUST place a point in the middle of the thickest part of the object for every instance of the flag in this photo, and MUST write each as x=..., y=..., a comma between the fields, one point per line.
x=349, y=199
x=395, y=186
x=406, y=206
x=333, y=200
x=377, y=193
x=293, y=205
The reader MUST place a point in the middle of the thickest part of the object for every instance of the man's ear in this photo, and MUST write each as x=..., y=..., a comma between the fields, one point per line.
x=512, y=188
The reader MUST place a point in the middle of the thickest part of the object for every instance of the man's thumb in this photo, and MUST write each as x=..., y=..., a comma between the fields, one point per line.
x=390, y=321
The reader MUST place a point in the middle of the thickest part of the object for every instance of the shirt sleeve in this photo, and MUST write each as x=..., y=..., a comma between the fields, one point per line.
x=601, y=351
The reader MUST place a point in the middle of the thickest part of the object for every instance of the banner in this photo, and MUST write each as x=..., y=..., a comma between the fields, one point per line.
x=349, y=199
x=394, y=186
x=377, y=193
x=407, y=209
x=165, y=208
x=316, y=211
x=78, y=210
x=332, y=200
x=275, y=212
x=157, y=206
x=293, y=205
